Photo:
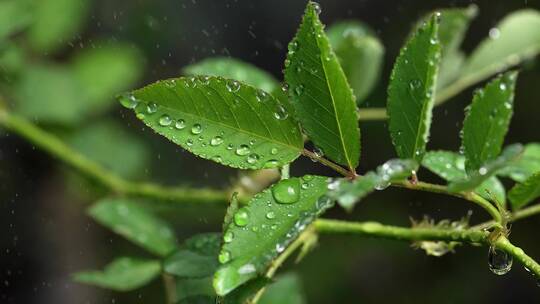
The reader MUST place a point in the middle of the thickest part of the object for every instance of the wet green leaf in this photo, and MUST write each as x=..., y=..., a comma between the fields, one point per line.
x=233, y=69
x=323, y=101
x=526, y=192
x=128, y=157
x=197, y=258
x=266, y=226
x=360, y=54
x=14, y=16
x=411, y=91
x=220, y=119
x=475, y=178
x=451, y=167
x=123, y=274
x=56, y=22
x=487, y=121
x=526, y=165
x=515, y=39
x=106, y=70
x=348, y=193
x=286, y=289
x=135, y=224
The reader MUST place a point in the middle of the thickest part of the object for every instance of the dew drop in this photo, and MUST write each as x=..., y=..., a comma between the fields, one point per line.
x=151, y=108
x=232, y=86
x=252, y=158
x=228, y=237
x=287, y=191
x=242, y=150
x=224, y=256
x=180, y=124
x=165, y=120
x=129, y=101
x=170, y=83
x=317, y=8
x=502, y=86
x=482, y=171
x=433, y=41
x=274, y=151
x=494, y=33
x=272, y=163
x=281, y=113
x=261, y=96
x=216, y=141
x=415, y=84
x=241, y=217
x=299, y=90
x=293, y=46
x=189, y=142
x=271, y=215
x=500, y=262
x=196, y=129
x=140, y=116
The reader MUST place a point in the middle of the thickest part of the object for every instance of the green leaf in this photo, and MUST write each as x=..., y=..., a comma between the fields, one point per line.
x=135, y=224
x=515, y=39
x=360, y=54
x=411, y=91
x=319, y=92
x=233, y=69
x=190, y=291
x=14, y=16
x=245, y=293
x=348, y=193
x=475, y=178
x=50, y=93
x=231, y=210
x=526, y=166
x=196, y=259
x=220, y=119
x=286, y=289
x=266, y=226
x=123, y=274
x=524, y=193
x=451, y=167
x=452, y=28
x=106, y=70
x=129, y=155
x=487, y=121
x=50, y=28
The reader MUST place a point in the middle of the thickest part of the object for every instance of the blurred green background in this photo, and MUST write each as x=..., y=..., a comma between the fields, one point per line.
x=76, y=55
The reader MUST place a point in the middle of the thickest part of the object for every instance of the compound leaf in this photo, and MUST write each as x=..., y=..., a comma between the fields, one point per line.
x=411, y=91
x=323, y=101
x=220, y=119
x=266, y=226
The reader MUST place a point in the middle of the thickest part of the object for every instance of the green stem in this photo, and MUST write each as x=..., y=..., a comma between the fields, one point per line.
x=116, y=184
x=329, y=164
x=375, y=229
x=170, y=288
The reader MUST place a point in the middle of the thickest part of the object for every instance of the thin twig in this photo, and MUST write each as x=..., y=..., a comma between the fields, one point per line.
x=328, y=163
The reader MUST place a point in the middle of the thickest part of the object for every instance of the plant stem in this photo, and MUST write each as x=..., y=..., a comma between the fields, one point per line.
x=170, y=288
x=375, y=229
x=116, y=184
x=328, y=163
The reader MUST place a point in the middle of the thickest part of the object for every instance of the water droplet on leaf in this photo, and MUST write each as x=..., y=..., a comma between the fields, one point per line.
x=242, y=150
x=224, y=256
x=252, y=159
x=271, y=215
x=196, y=129
x=216, y=141
x=287, y=191
x=165, y=120
x=180, y=124
x=228, y=237
x=151, y=108
x=241, y=217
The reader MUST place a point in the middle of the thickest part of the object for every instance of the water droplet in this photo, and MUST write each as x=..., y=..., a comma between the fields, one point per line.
x=271, y=215
x=216, y=141
x=261, y=96
x=180, y=124
x=189, y=142
x=252, y=159
x=482, y=171
x=494, y=33
x=196, y=129
x=224, y=256
x=281, y=113
x=151, y=108
x=287, y=62
x=381, y=185
x=205, y=80
x=165, y=120
x=272, y=163
x=232, y=86
x=170, y=83
x=502, y=86
x=242, y=150
x=500, y=262
x=317, y=8
x=140, y=116
x=285, y=88
x=241, y=217
x=287, y=191
x=299, y=90
x=305, y=186
x=274, y=151
x=433, y=41
x=293, y=46
x=415, y=84
x=129, y=101
x=228, y=237
x=280, y=248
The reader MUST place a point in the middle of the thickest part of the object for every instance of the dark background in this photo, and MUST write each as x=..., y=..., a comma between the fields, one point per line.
x=45, y=234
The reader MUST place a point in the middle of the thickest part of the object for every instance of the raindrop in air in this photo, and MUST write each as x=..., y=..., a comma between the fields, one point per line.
x=196, y=129
x=287, y=191
x=500, y=262
x=165, y=120
x=241, y=217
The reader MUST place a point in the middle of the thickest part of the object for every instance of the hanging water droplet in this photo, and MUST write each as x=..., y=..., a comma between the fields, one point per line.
x=270, y=215
x=196, y=129
x=381, y=185
x=500, y=262
x=129, y=101
x=318, y=152
x=228, y=237
x=232, y=86
x=494, y=33
x=224, y=256
x=165, y=120
x=180, y=124
x=151, y=108
x=242, y=150
x=287, y=191
x=252, y=159
x=216, y=141
x=281, y=113
x=241, y=217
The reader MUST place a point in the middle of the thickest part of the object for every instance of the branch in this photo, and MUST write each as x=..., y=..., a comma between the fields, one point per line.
x=116, y=184
x=471, y=236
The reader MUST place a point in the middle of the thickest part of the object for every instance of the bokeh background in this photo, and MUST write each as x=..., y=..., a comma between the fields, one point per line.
x=44, y=232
